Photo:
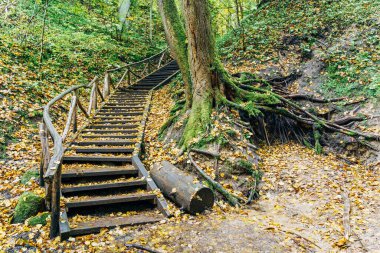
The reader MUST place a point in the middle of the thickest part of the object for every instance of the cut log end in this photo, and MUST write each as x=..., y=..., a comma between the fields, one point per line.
x=202, y=200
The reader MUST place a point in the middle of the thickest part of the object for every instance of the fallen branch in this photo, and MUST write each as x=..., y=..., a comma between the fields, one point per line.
x=137, y=246
x=232, y=200
x=205, y=152
x=360, y=241
x=313, y=99
x=296, y=234
x=346, y=215
x=347, y=120
x=252, y=192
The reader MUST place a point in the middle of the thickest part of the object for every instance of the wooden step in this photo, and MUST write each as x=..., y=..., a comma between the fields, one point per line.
x=129, y=121
x=105, y=186
x=128, y=131
x=109, y=107
x=73, y=158
x=115, y=199
x=126, y=99
x=104, y=150
x=116, y=103
x=90, y=227
x=96, y=172
x=95, y=136
x=113, y=126
x=103, y=143
x=121, y=113
x=115, y=117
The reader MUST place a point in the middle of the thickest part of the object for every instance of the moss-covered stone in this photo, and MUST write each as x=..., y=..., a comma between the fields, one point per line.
x=29, y=204
x=38, y=219
x=28, y=175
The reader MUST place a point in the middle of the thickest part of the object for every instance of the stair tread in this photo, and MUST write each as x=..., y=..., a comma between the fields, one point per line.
x=103, y=142
x=98, y=170
x=111, y=199
x=100, y=185
x=97, y=158
x=94, y=226
x=104, y=150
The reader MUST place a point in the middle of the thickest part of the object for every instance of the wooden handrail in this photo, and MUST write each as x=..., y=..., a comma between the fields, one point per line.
x=139, y=62
x=51, y=166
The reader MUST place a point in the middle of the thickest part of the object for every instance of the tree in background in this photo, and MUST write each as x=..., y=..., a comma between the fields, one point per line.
x=209, y=84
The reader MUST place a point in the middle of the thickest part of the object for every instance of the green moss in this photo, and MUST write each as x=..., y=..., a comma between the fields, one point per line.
x=244, y=165
x=29, y=204
x=199, y=120
x=39, y=219
x=28, y=175
x=232, y=133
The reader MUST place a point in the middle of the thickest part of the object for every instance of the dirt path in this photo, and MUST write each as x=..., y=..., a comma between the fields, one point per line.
x=301, y=209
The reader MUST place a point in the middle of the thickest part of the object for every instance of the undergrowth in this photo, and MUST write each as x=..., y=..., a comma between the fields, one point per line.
x=351, y=68
x=80, y=42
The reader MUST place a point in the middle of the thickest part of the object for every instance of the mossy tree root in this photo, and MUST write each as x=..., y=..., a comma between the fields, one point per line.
x=231, y=199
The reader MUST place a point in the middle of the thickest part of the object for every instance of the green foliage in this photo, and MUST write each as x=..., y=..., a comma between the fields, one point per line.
x=81, y=41
x=39, y=219
x=244, y=164
x=352, y=67
x=28, y=175
x=29, y=204
x=355, y=72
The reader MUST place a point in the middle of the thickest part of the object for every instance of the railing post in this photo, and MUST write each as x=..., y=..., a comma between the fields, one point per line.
x=69, y=117
x=55, y=204
x=92, y=103
x=106, y=86
x=75, y=120
x=45, y=156
x=129, y=77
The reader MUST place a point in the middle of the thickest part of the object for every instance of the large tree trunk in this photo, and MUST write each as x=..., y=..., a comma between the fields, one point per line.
x=201, y=51
x=176, y=38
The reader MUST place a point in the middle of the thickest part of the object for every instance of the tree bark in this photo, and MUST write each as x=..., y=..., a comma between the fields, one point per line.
x=176, y=38
x=201, y=52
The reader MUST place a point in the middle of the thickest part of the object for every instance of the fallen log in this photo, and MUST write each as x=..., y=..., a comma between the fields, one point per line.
x=182, y=188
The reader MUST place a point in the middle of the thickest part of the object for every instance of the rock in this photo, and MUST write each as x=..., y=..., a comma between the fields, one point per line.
x=29, y=204
x=39, y=219
x=28, y=175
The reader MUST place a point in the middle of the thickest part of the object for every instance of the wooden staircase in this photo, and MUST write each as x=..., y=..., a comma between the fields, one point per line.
x=103, y=182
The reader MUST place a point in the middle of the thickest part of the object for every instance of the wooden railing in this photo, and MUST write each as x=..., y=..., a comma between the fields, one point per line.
x=52, y=151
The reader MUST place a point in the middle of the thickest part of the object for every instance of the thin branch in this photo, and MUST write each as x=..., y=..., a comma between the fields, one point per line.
x=137, y=246
x=232, y=200
x=43, y=33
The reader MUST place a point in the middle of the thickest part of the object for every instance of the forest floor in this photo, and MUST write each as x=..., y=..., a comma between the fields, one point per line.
x=300, y=208
x=303, y=195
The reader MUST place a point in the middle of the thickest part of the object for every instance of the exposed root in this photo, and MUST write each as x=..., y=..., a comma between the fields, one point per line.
x=232, y=199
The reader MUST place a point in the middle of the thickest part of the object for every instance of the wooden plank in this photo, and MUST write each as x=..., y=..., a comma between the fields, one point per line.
x=45, y=154
x=96, y=201
x=100, y=186
x=104, y=150
x=94, y=136
x=94, y=172
x=73, y=107
x=111, y=222
x=110, y=131
x=122, y=107
x=113, y=126
x=97, y=159
x=162, y=205
x=101, y=143
x=129, y=121
x=64, y=228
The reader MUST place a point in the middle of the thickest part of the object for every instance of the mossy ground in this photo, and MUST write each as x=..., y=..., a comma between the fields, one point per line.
x=29, y=204
x=28, y=175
